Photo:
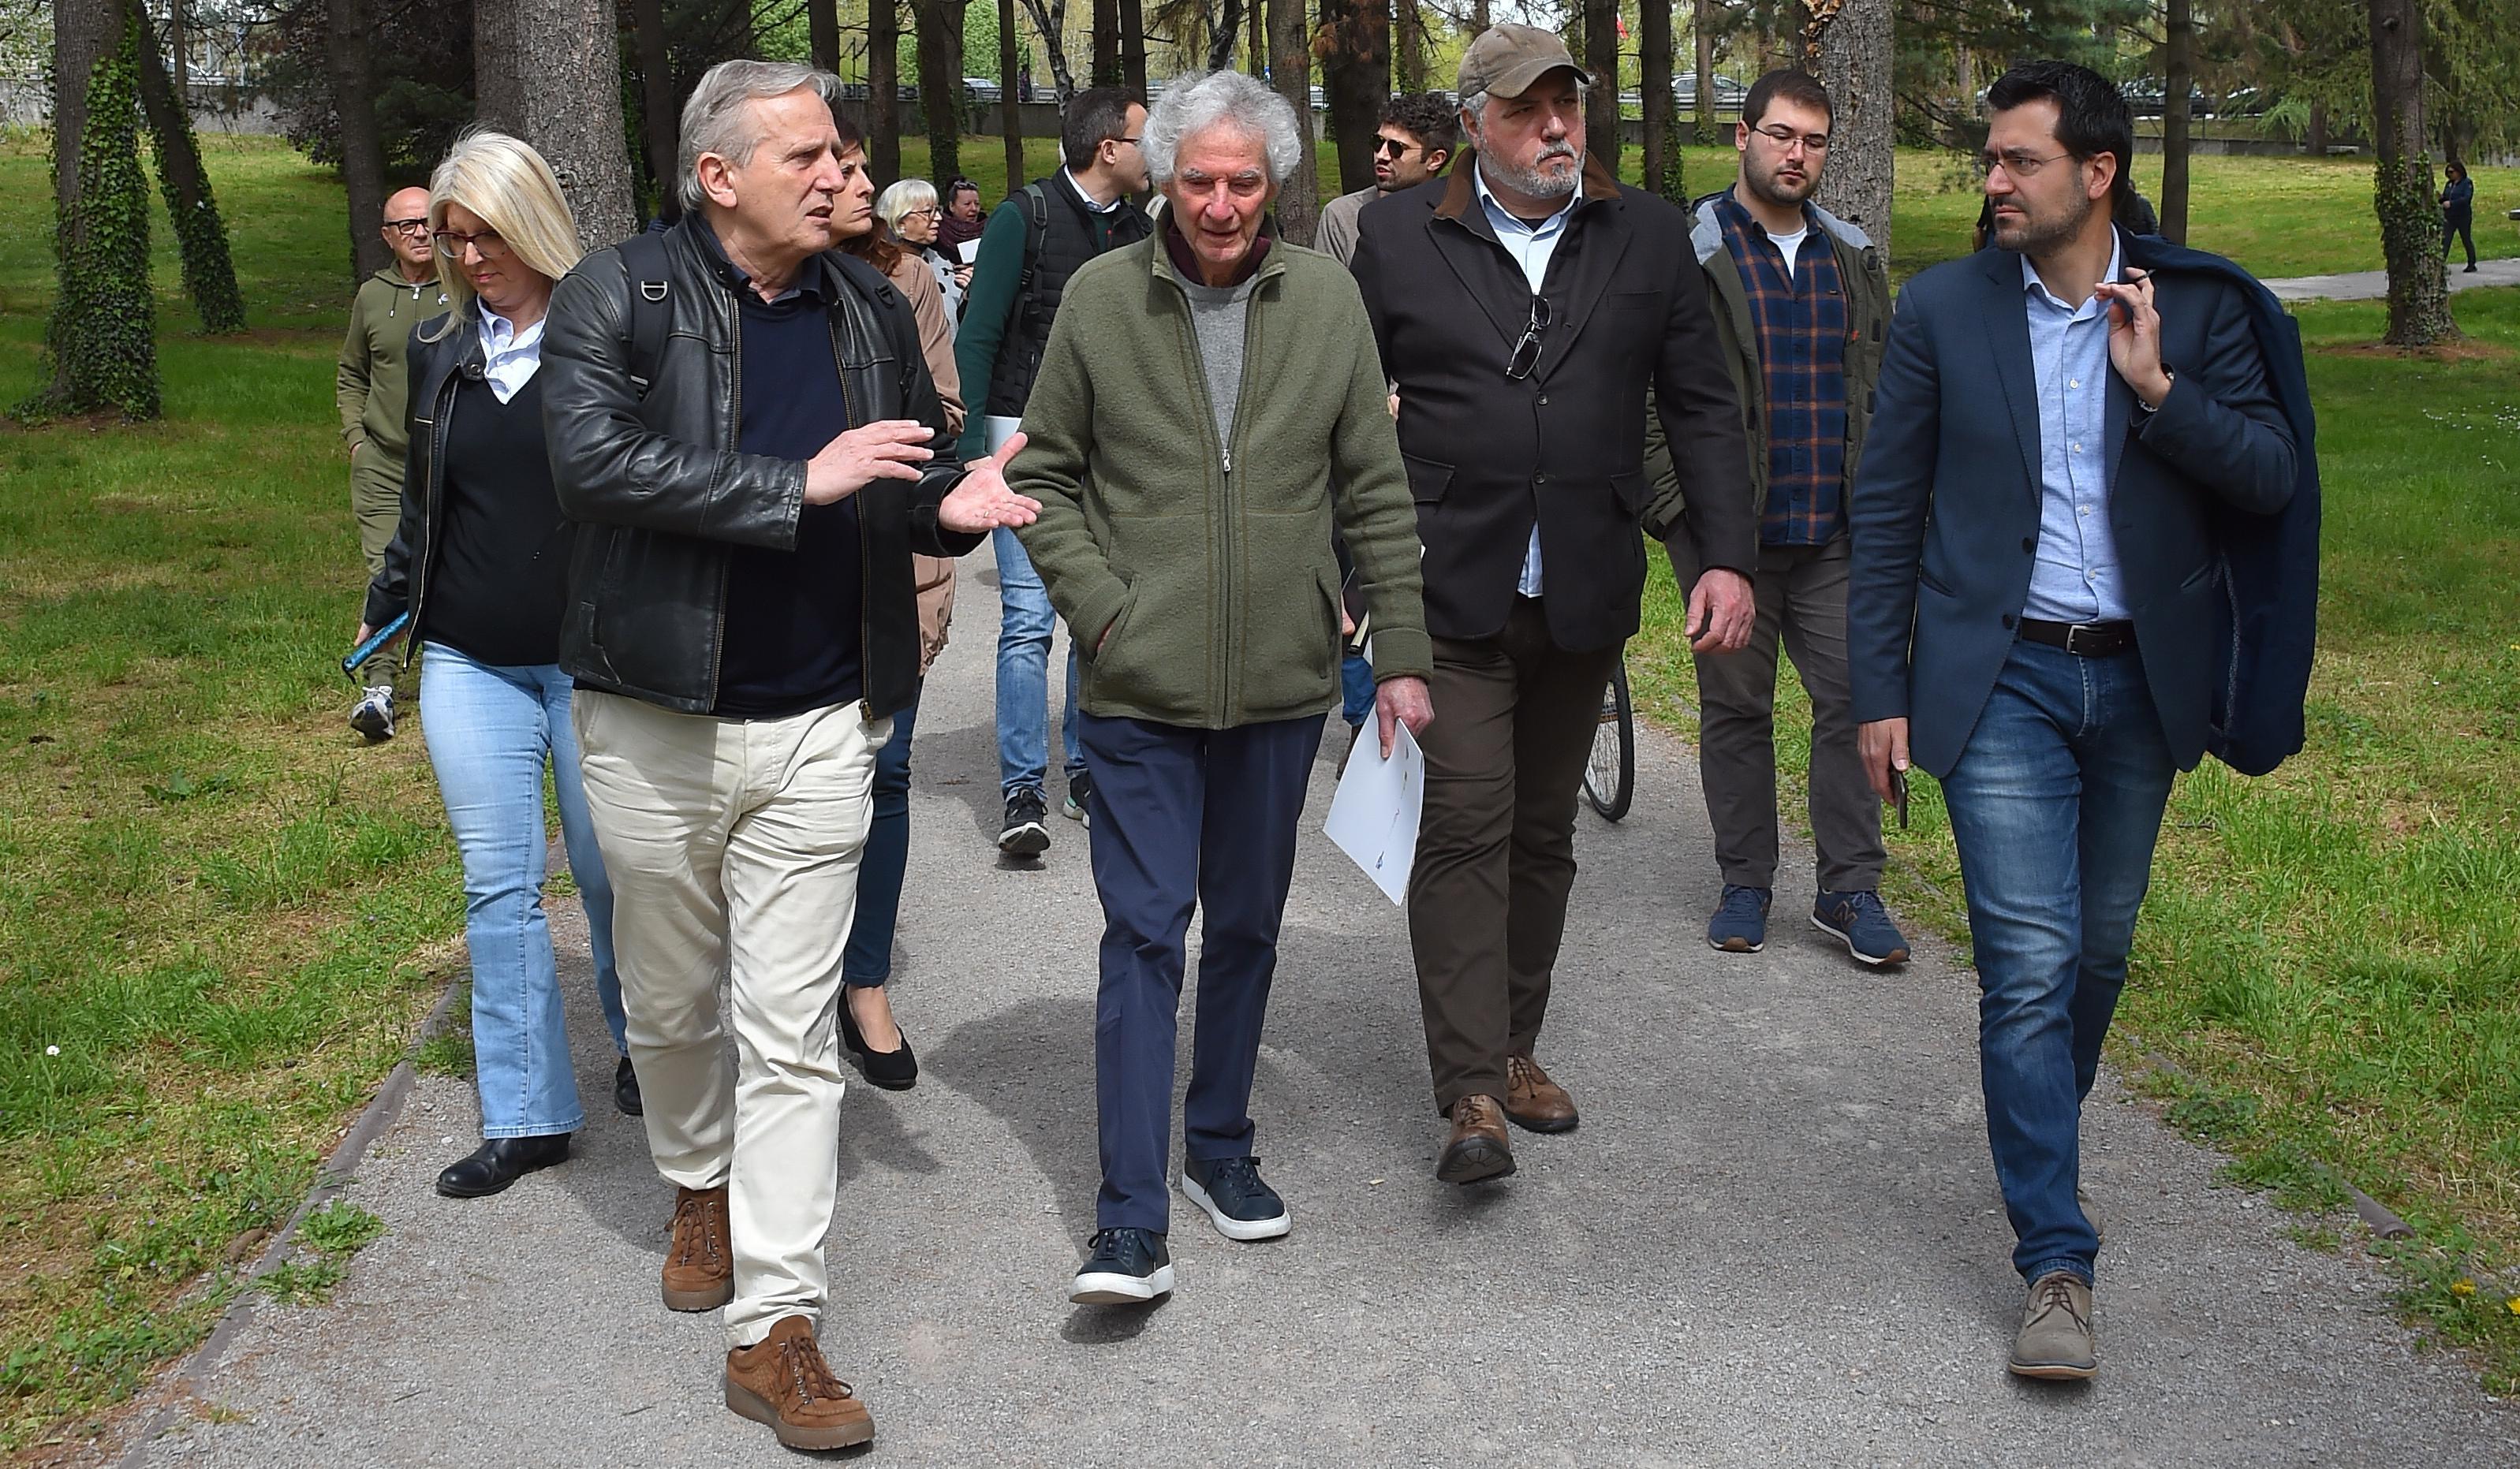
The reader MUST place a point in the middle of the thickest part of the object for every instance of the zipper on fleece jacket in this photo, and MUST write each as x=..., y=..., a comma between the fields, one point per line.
x=1221, y=584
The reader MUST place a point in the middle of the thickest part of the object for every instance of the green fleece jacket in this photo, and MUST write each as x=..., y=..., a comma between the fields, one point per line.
x=368, y=386
x=1201, y=570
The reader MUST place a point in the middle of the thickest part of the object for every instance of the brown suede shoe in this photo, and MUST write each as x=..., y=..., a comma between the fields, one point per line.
x=699, y=1266
x=1534, y=1103
x=1477, y=1148
x=2056, y=1340
x=781, y=1380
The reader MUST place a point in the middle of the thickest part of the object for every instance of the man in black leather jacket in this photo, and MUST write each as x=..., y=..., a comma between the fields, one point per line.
x=743, y=423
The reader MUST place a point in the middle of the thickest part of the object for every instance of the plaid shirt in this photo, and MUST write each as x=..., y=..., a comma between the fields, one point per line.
x=1802, y=329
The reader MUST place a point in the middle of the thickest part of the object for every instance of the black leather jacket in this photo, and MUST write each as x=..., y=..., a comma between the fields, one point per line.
x=436, y=368
x=660, y=491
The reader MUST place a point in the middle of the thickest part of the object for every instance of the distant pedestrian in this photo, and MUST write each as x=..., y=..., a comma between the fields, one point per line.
x=1814, y=297
x=2072, y=430
x=2459, y=212
x=909, y=214
x=1416, y=140
x=370, y=389
x=748, y=437
x=963, y=222
x=1034, y=243
x=480, y=563
x=1525, y=303
x=1193, y=411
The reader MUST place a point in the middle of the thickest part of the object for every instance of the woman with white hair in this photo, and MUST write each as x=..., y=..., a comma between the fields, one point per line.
x=912, y=216
x=481, y=564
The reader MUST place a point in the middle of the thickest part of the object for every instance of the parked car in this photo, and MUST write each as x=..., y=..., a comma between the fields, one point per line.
x=1728, y=94
x=2144, y=97
x=981, y=90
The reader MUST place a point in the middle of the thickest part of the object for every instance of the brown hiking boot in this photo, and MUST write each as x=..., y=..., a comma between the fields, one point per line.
x=2057, y=1339
x=699, y=1266
x=1534, y=1103
x=781, y=1380
x=1477, y=1148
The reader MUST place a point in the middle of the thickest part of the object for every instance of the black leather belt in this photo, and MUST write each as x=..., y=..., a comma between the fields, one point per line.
x=2084, y=639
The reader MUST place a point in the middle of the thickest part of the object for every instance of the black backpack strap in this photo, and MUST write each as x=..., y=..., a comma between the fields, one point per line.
x=1036, y=238
x=652, y=308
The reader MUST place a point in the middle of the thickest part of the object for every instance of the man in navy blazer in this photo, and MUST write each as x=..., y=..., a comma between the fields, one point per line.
x=2031, y=611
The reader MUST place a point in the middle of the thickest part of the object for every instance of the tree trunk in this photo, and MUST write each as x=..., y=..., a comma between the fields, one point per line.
x=2178, y=74
x=821, y=33
x=1409, y=46
x=2410, y=222
x=1701, y=113
x=1602, y=58
x=555, y=68
x=1479, y=22
x=363, y=152
x=1133, y=48
x=884, y=90
x=939, y=24
x=1254, y=11
x=1221, y=38
x=1356, y=78
x=1290, y=71
x=1662, y=170
x=101, y=340
x=1105, y=37
x=210, y=274
x=661, y=125
x=1010, y=105
x=178, y=45
x=2314, y=136
x=1855, y=58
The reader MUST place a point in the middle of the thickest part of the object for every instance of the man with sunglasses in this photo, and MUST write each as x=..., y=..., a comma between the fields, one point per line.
x=369, y=388
x=1524, y=304
x=1802, y=302
x=2084, y=440
x=1417, y=139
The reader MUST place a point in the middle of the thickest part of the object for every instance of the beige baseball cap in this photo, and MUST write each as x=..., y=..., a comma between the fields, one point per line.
x=1507, y=60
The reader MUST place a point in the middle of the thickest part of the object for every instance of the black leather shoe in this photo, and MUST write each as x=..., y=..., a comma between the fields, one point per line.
x=500, y=1162
x=892, y=1070
x=625, y=1091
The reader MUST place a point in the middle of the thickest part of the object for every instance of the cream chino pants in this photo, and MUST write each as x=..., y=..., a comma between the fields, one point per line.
x=733, y=847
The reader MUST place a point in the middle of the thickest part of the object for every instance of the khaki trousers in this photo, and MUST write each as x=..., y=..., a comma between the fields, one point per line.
x=733, y=847
x=375, y=502
x=1514, y=719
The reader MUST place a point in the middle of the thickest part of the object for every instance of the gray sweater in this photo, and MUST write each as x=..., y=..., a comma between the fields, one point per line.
x=1216, y=315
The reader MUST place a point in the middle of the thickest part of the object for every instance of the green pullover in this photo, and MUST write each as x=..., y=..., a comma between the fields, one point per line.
x=370, y=386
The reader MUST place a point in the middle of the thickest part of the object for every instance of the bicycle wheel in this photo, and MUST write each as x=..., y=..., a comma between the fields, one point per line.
x=1610, y=774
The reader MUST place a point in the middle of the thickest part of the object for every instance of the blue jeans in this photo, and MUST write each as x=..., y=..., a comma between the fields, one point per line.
x=1356, y=690
x=1185, y=818
x=1023, y=673
x=2055, y=804
x=868, y=960
x=490, y=732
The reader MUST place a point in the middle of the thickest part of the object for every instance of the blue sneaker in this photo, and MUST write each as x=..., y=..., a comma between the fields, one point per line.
x=1740, y=921
x=1237, y=1202
x=1123, y=1267
x=1861, y=921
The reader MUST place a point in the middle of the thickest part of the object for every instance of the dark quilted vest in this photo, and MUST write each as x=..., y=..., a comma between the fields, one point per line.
x=1065, y=229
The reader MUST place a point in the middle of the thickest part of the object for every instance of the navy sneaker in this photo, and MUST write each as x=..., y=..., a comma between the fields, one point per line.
x=1861, y=921
x=1740, y=921
x=1237, y=1201
x=1123, y=1267
x=1078, y=807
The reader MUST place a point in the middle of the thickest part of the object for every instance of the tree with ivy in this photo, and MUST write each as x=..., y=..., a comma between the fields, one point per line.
x=201, y=237
x=101, y=346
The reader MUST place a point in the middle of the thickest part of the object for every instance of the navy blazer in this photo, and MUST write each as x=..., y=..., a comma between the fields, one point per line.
x=1944, y=513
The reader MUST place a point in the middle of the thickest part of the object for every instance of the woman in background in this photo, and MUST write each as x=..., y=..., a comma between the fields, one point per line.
x=908, y=211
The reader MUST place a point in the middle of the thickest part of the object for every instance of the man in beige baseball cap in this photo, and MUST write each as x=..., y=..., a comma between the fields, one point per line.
x=1523, y=304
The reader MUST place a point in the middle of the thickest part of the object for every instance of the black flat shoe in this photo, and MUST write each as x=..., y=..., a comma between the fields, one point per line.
x=500, y=1162
x=625, y=1091
x=892, y=1070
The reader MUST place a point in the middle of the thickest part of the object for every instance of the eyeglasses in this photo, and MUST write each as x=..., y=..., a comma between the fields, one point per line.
x=451, y=245
x=1526, y=352
x=408, y=226
x=2015, y=162
x=1394, y=146
x=933, y=211
x=1132, y=142
x=1785, y=138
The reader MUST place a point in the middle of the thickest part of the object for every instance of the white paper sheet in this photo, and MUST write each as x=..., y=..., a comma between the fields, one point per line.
x=1373, y=816
x=970, y=251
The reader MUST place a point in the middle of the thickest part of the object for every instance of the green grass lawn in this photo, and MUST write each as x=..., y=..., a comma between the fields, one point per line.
x=220, y=915
x=2326, y=978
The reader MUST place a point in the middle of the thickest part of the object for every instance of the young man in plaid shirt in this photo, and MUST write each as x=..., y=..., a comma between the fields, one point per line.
x=1801, y=303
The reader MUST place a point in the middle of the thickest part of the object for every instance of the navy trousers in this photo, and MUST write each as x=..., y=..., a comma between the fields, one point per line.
x=1185, y=819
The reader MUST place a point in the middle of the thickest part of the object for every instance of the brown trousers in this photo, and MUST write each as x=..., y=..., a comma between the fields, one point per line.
x=1514, y=719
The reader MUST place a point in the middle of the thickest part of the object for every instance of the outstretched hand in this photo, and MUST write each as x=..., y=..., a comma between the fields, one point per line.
x=887, y=449
x=980, y=501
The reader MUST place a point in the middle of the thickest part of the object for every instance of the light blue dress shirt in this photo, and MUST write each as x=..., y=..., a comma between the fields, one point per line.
x=510, y=358
x=2077, y=576
x=1532, y=246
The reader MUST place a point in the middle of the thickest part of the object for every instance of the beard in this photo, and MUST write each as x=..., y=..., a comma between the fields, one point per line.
x=1770, y=190
x=1536, y=181
x=2033, y=234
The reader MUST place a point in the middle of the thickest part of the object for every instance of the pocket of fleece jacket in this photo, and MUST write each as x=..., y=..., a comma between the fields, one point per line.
x=1155, y=660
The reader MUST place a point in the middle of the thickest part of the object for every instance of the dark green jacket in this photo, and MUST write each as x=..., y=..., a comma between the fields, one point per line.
x=1868, y=321
x=1209, y=565
x=371, y=380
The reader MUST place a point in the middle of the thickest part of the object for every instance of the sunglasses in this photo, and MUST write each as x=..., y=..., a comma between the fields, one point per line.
x=1393, y=147
x=1526, y=352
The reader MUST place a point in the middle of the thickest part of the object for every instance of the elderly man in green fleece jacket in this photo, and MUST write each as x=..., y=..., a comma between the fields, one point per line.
x=1210, y=406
